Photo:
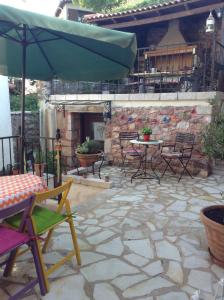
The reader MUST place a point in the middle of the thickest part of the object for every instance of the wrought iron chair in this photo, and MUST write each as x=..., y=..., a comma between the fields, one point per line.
x=129, y=152
x=11, y=240
x=180, y=150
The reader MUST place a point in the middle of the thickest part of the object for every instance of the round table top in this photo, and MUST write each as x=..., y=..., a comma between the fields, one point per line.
x=142, y=142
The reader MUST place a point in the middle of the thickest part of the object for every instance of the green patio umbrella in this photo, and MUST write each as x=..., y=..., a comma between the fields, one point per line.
x=39, y=47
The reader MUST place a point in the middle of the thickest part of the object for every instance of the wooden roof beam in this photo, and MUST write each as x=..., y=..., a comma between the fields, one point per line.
x=167, y=17
x=165, y=7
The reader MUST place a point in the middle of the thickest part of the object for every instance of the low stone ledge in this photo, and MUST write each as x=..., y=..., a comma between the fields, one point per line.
x=99, y=183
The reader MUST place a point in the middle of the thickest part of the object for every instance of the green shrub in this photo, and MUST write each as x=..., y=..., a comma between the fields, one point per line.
x=89, y=147
x=38, y=157
x=51, y=162
x=213, y=138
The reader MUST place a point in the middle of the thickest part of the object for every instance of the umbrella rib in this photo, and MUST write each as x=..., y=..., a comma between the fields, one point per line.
x=37, y=36
x=42, y=41
x=88, y=49
x=5, y=34
x=43, y=53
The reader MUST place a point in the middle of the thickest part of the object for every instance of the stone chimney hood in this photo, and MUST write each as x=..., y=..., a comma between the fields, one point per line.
x=173, y=35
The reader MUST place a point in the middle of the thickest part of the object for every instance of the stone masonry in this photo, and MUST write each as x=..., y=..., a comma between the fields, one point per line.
x=32, y=122
x=165, y=123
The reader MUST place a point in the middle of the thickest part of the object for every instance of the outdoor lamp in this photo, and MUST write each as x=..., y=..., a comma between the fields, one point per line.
x=107, y=111
x=210, y=23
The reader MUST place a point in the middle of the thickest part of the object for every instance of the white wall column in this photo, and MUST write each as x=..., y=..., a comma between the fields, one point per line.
x=5, y=122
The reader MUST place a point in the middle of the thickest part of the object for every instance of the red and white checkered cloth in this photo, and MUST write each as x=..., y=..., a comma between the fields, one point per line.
x=16, y=188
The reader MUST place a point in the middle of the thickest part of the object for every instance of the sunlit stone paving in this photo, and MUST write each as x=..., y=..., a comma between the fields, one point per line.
x=141, y=241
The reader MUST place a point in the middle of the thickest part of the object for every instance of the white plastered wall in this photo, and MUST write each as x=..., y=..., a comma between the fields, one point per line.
x=5, y=122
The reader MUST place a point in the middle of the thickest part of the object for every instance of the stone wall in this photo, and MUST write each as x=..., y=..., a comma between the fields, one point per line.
x=165, y=122
x=32, y=123
x=69, y=124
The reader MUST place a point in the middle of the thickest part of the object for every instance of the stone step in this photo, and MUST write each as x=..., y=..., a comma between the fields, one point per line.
x=219, y=172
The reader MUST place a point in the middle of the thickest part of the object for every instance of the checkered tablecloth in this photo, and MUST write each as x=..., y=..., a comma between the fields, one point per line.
x=14, y=189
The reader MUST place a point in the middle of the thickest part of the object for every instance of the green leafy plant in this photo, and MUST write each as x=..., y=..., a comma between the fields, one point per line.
x=39, y=157
x=31, y=102
x=147, y=130
x=213, y=138
x=51, y=165
x=89, y=147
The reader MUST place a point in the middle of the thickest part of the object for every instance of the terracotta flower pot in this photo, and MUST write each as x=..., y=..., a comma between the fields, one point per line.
x=39, y=169
x=213, y=219
x=146, y=137
x=86, y=160
x=15, y=172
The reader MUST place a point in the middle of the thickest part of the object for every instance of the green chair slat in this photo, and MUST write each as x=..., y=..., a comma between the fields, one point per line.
x=44, y=219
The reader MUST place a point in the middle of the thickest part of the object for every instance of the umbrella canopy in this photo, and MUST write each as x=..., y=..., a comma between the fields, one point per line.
x=40, y=47
x=62, y=49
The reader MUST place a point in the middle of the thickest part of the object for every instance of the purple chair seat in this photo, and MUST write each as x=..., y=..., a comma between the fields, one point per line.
x=11, y=239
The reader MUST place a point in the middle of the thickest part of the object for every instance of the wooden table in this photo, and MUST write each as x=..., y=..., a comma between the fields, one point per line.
x=143, y=172
x=16, y=188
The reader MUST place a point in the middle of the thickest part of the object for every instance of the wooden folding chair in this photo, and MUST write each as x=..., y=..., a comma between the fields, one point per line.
x=11, y=240
x=46, y=220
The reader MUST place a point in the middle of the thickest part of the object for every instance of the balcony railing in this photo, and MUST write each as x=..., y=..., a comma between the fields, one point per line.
x=45, y=148
x=180, y=68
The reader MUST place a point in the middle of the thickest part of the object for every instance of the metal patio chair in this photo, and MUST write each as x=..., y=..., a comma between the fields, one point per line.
x=181, y=150
x=129, y=152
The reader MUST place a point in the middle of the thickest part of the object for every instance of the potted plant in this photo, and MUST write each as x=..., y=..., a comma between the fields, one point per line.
x=15, y=170
x=213, y=219
x=88, y=152
x=213, y=216
x=39, y=163
x=146, y=131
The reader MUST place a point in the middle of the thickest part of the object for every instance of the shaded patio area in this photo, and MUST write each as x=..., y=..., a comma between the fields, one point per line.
x=138, y=241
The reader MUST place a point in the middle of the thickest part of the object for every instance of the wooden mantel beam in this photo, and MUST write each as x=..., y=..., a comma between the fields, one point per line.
x=167, y=17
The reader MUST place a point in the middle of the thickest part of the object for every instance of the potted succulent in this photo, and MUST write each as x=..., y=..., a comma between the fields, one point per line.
x=146, y=131
x=88, y=152
x=39, y=163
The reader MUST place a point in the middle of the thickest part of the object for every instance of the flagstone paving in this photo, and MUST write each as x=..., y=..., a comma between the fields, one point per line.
x=140, y=241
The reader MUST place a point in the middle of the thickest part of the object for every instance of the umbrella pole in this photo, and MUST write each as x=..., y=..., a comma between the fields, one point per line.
x=24, y=46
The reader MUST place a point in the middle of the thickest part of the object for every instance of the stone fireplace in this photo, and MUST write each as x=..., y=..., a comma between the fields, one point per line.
x=75, y=123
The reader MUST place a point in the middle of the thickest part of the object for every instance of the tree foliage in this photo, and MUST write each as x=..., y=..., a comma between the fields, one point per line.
x=31, y=102
x=213, y=137
x=99, y=5
x=115, y=5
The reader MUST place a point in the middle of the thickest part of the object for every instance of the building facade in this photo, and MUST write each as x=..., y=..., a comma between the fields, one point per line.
x=176, y=81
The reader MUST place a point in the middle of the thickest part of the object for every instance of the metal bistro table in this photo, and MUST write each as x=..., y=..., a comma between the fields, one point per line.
x=142, y=172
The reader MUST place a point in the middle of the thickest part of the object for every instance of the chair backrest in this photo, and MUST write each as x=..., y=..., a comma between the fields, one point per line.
x=125, y=137
x=60, y=190
x=185, y=138
x=25, y=206
x=132, y=135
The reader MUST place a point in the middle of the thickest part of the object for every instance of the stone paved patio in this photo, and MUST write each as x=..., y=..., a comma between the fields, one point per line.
x=141, y=241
